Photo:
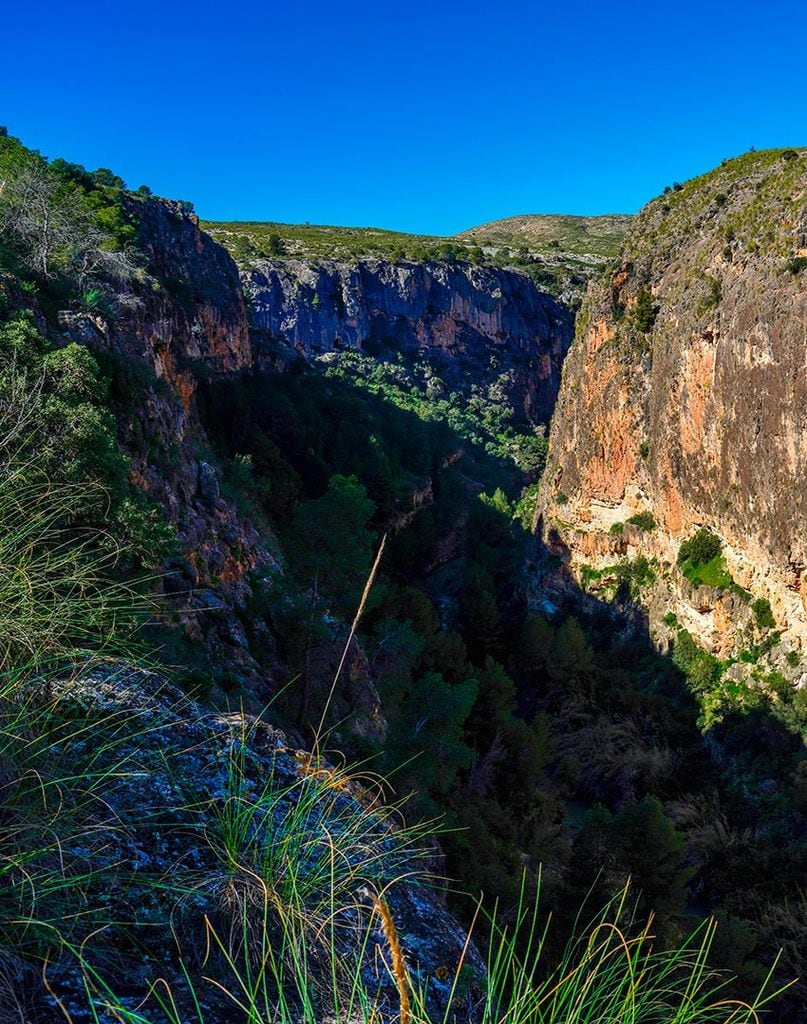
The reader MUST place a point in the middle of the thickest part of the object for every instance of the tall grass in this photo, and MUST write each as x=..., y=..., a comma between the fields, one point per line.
x=58, y=593
x=610, y=973
x=61, y=609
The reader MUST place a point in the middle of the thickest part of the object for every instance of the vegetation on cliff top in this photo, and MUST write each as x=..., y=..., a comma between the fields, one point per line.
x=547, y=234
x=559, y=253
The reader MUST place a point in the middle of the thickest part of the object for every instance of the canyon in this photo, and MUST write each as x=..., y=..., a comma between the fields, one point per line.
x=536, y=661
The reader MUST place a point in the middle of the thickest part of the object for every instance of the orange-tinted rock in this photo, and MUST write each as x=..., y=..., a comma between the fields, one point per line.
x=705, y=414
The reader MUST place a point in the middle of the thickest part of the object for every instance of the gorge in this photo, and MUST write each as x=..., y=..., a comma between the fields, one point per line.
x=537, y=662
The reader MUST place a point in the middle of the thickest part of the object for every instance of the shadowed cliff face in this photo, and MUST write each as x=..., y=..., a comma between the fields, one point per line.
x=685, y=394
x=480, y=321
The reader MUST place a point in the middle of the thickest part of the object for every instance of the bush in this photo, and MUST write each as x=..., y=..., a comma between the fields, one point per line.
x=644, y=520
x=701, y=548
x=763, y=614
x=644, y=312
x=700, y=667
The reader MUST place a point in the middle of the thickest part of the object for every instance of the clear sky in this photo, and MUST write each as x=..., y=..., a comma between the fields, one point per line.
x=424, y=115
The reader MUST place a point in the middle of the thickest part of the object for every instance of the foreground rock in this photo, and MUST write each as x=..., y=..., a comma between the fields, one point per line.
x=210, y=834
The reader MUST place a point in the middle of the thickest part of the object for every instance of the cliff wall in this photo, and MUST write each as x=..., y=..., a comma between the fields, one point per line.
x=685, y=395
x=481, y=321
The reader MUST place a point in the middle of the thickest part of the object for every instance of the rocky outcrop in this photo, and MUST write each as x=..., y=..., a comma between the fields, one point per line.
x=210, y=825
x=685, y=394
x=479, y=321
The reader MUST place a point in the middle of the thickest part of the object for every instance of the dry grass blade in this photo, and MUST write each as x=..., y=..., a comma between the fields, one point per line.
x=368, y=586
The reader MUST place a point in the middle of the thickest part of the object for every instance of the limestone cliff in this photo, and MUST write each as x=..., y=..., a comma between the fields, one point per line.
x=183, y=319
x=475, y=323
x=685, y=395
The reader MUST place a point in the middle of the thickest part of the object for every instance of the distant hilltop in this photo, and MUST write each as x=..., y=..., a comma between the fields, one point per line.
x=545, y=232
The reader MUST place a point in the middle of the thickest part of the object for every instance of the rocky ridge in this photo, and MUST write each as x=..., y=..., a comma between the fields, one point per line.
x=159, y=831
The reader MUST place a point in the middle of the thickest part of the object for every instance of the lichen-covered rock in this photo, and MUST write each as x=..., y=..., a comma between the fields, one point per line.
x=205, y=815
x=685, y=393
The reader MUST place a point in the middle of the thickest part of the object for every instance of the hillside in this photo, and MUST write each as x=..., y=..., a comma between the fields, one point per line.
x=554, y=233
x=247, y=239
x=558, y=253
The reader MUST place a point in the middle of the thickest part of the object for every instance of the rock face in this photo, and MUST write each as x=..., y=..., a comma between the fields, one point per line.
x=482, y=320
x=685, y=394
x=186, y=767
x=187, y=319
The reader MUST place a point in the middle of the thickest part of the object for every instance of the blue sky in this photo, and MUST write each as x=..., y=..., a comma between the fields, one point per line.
x=421, y=116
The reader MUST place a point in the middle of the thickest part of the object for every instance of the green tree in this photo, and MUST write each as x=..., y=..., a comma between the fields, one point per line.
x=480, y=613
x=571, y=658
x=330, y=547
x=425, y=749
x=652, y=852
x=644, y=312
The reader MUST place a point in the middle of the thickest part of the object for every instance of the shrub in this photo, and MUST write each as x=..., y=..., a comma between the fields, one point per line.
x=275, y=245
x=763, y=614
x=700, y=667
x=797, y=264
x=701, y=547
x=644, y=520
x=561, y=498
x=644, y=312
